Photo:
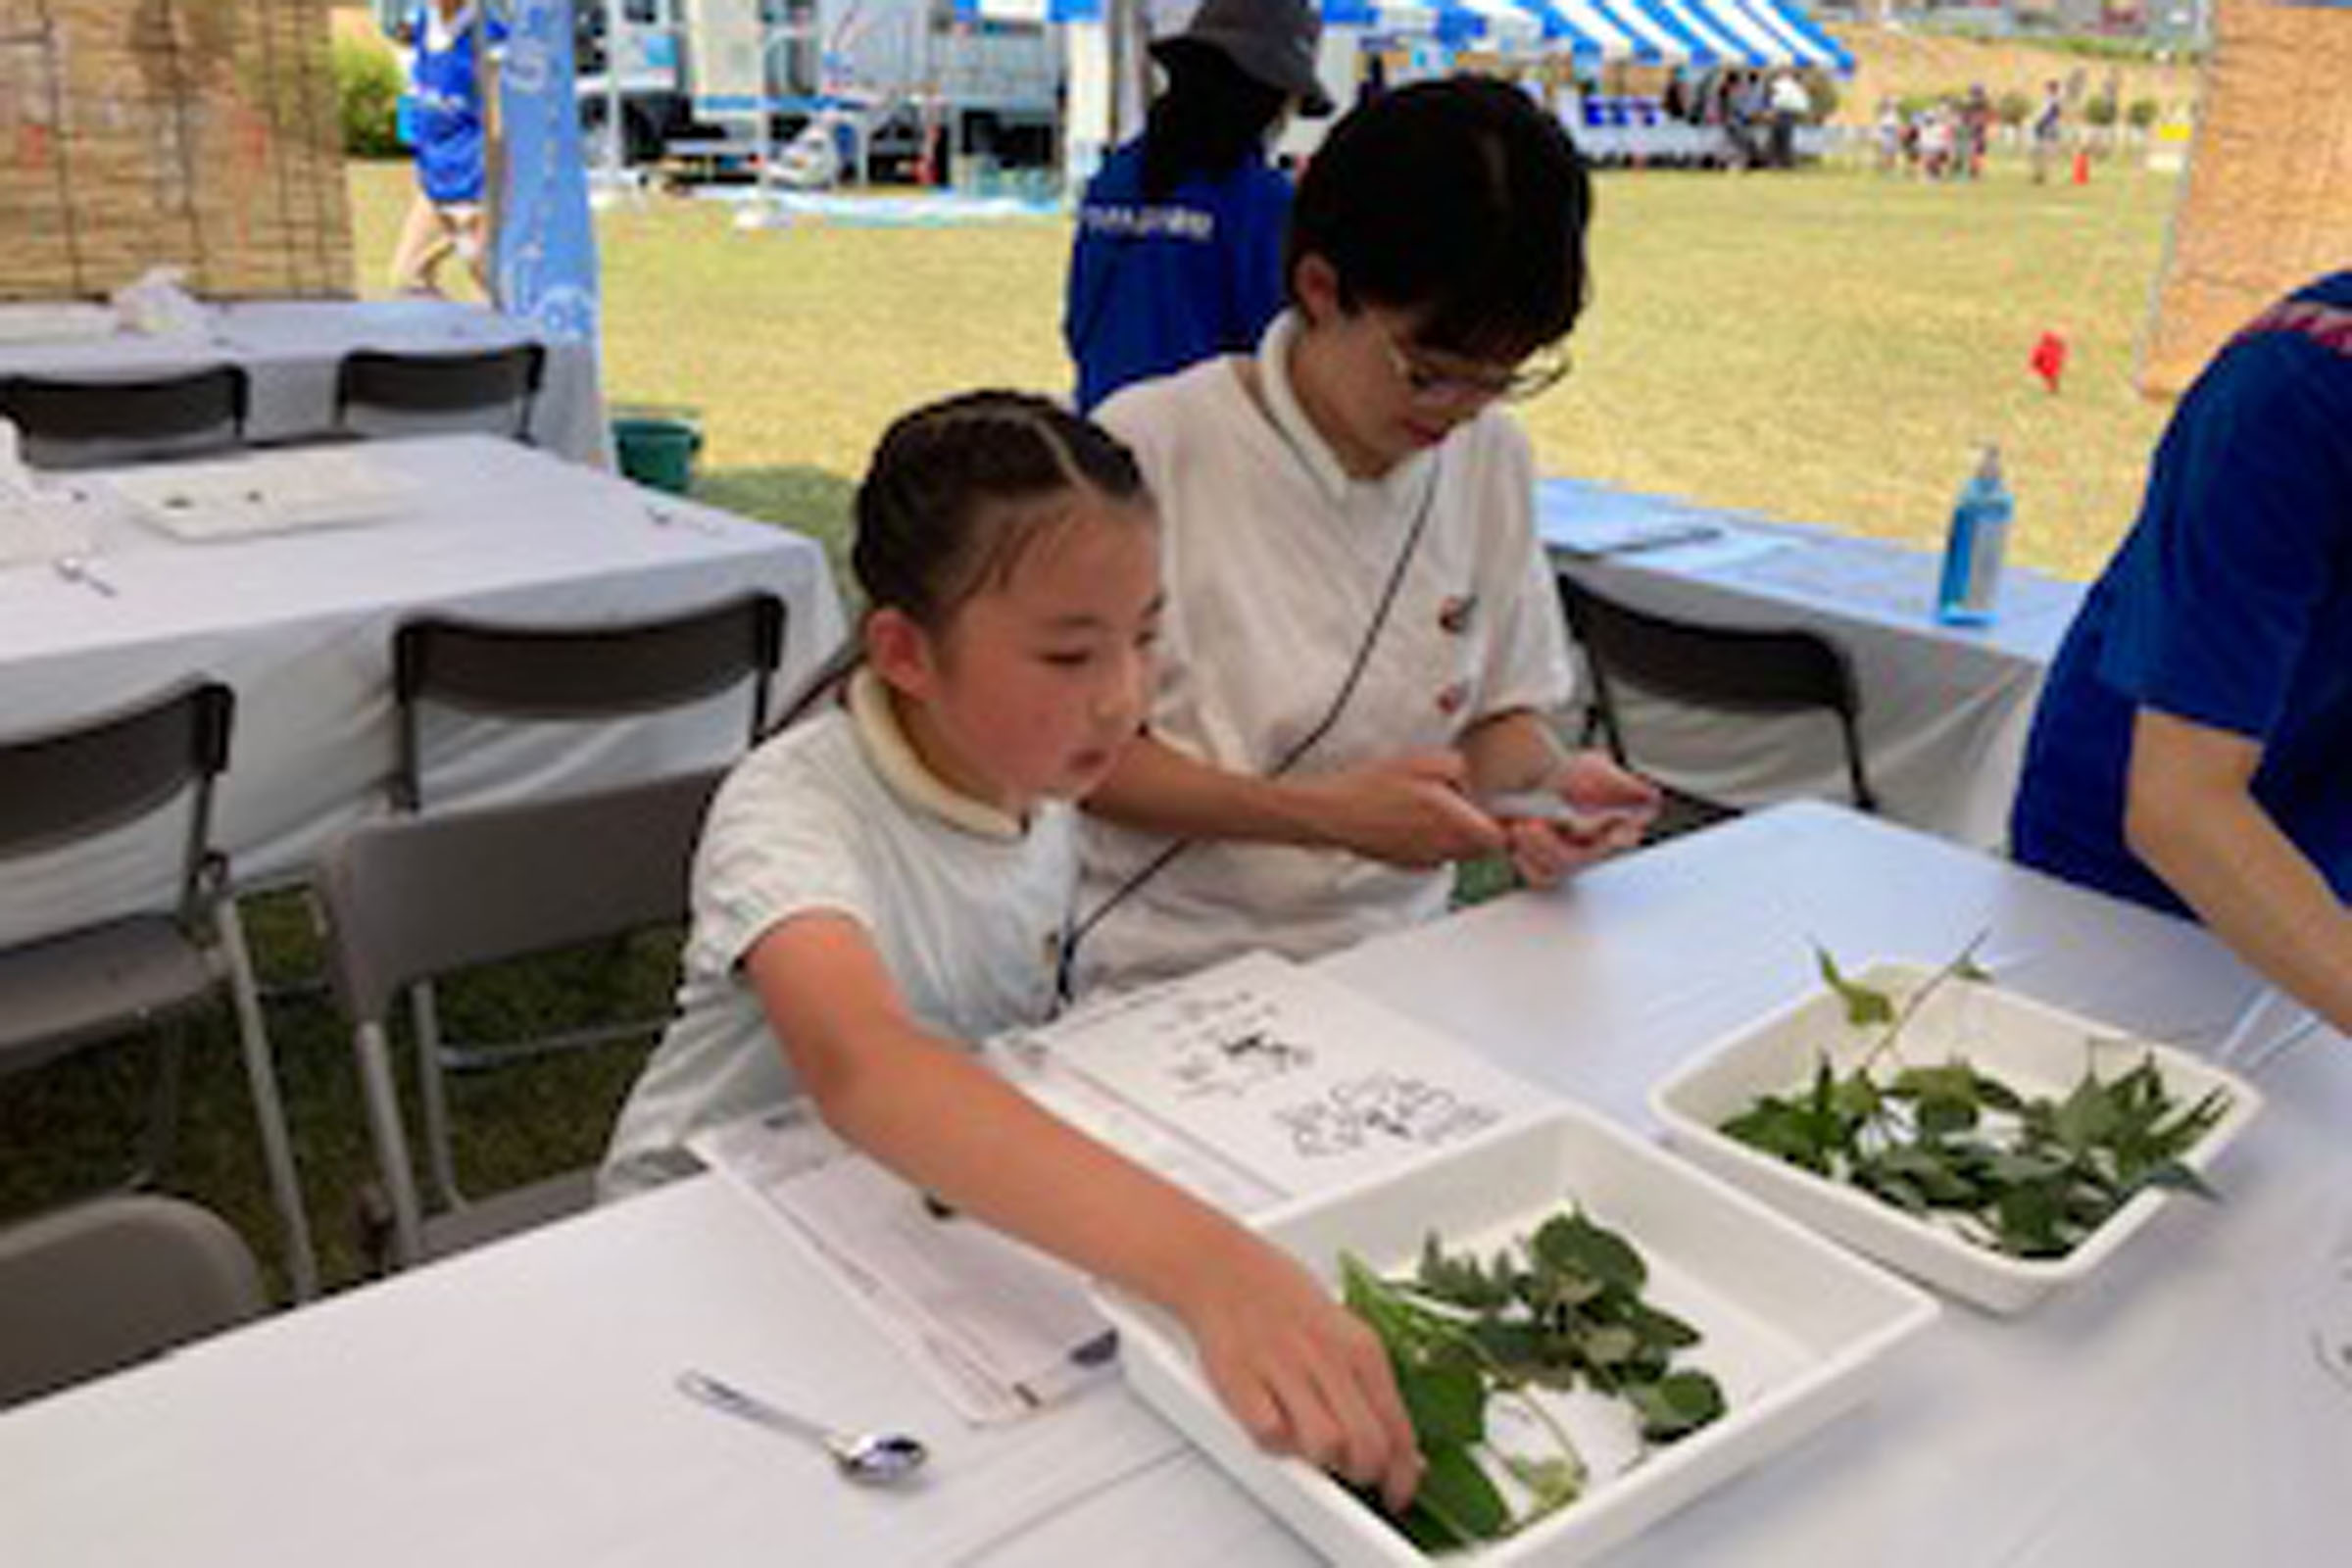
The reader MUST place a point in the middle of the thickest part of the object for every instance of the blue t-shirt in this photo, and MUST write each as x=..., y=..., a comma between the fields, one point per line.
x=1158, y=284
x=449, y=108
x=2229, y=604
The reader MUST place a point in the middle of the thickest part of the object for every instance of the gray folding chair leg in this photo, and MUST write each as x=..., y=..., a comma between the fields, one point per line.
x=268, y=1107
x=391, y=1139
x=433, y=1092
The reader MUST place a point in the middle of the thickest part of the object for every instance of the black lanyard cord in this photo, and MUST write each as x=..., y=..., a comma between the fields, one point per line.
x=1078, y=929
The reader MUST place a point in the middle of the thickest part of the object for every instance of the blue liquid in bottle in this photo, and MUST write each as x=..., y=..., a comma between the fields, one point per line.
x=1976, y=545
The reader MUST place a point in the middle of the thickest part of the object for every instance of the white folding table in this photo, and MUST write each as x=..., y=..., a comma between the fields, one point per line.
x=514, y=1405
x=290, y=350
x=300, y=624
x=1945, y=710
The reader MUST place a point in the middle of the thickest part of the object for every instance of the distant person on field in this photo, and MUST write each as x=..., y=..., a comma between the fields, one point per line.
x=1178, y=252
x=453, y=84
x=1792, y=107
x=1891, y=136
x=2048, y=125
x=2193, y=745
x=1976, y=130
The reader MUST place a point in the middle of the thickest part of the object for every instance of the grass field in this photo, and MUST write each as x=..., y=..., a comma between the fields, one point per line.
x=1827, y=345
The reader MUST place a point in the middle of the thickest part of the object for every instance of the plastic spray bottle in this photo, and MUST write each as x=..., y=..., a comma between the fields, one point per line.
x=1976, y=545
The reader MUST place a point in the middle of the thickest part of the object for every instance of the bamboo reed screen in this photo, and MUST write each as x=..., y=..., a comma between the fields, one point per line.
x=198, y=133
x=2267, y=203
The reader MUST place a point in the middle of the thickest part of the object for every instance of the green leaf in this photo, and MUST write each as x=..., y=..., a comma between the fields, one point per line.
x=1864, y=1006
x=1610, y=1343
x=1551, y=1483
x=1447, y=1404
x=1462, y=1495
x=1573, y=1243
x=1677, y=1405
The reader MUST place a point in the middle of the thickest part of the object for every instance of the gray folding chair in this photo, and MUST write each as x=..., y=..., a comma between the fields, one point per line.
x=106, y=1284
x=1737, y=670
x=82, y=987
x=559, y=674
x=409, y=899
x=79, y=423
x=385, y=393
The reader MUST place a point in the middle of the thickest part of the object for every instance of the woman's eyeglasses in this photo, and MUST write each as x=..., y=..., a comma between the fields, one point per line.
x=1428, y=384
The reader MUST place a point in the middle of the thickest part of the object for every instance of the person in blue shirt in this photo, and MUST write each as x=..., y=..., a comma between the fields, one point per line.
x=450, y=83
x=1178, y=253
x=2193, y=747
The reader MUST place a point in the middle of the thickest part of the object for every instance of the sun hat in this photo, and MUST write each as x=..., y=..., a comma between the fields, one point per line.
x=1271, y=40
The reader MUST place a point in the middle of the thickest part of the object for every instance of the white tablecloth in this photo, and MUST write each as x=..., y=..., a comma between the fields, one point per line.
x=513, y=1406
x=1944, y=710
x=290, y=349
x=300, y=623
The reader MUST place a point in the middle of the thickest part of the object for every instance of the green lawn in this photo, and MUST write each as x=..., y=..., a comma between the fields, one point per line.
x=1826, y=346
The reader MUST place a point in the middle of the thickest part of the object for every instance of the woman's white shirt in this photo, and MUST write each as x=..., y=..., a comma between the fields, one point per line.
x=964, y=905
x=1275, y=559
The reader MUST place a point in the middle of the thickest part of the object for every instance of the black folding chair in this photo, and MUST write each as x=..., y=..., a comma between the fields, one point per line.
x=409, y=899
x=564, y=674
x=439, y=392
x=1736, y=670
x=79, y=423
x=108, y=1283
x=74, y=990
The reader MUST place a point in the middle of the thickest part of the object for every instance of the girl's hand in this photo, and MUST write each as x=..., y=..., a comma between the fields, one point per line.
x=1409, y=810
x=1606, y=810
x=1301, y=1373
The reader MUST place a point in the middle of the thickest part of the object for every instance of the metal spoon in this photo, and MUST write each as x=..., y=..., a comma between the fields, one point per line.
x=73, y=569
x=871, y=1458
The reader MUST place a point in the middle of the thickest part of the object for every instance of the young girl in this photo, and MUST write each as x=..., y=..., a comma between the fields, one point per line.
x=887, y=880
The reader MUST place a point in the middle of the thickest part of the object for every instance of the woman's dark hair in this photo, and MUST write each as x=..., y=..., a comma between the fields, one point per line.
x=957, y=492
x=1459, y=199
x=1213, y=116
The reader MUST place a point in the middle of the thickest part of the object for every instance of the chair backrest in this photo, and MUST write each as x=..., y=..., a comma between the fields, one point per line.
x=100, y=1286
x=413, y=898
x=433, y=385
x=410, y=899
x=77, y=423
x=1741, y=669
x=582, y=671
x=82, y=780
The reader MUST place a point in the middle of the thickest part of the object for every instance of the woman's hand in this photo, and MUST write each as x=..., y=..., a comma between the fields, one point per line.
x=1299, y=1371
x=1607, y=809
x=1409, y=810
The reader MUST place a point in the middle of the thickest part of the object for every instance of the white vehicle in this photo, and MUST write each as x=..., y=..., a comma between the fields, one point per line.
x=899, y=83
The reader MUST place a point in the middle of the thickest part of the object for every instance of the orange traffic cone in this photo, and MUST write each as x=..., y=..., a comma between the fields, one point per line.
x=2082, y=166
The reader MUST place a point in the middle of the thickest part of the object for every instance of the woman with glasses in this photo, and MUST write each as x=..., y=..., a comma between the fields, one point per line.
x=1362, y=640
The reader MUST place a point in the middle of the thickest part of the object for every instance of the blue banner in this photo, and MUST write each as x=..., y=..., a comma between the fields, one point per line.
x=545, y=268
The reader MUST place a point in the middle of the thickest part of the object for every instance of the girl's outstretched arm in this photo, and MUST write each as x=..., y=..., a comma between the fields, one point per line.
x=1299, y=1371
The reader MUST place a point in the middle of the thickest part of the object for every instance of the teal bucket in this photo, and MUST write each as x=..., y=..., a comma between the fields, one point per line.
x=659, y=449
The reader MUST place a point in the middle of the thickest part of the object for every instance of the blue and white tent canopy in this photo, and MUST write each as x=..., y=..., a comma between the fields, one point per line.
x=1694, y=33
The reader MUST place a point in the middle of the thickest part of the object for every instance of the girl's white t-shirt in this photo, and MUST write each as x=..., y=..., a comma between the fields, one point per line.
x=964, y=905
x=1274, y=560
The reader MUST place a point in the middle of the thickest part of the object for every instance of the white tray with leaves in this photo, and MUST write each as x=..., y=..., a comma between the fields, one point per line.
x=1590, y=1332
x=1988, y=1144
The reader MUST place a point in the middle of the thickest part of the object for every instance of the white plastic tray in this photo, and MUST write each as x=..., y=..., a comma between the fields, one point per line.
x=262, y=492
x=2033, y=1048
x=1793, y=1327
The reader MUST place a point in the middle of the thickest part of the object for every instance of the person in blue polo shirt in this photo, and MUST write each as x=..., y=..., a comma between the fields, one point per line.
x=450, y=84
x=2193, y=747
x=1178, y=253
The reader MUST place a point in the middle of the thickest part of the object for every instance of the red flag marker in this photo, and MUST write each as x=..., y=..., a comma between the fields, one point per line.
x=2048, y=359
